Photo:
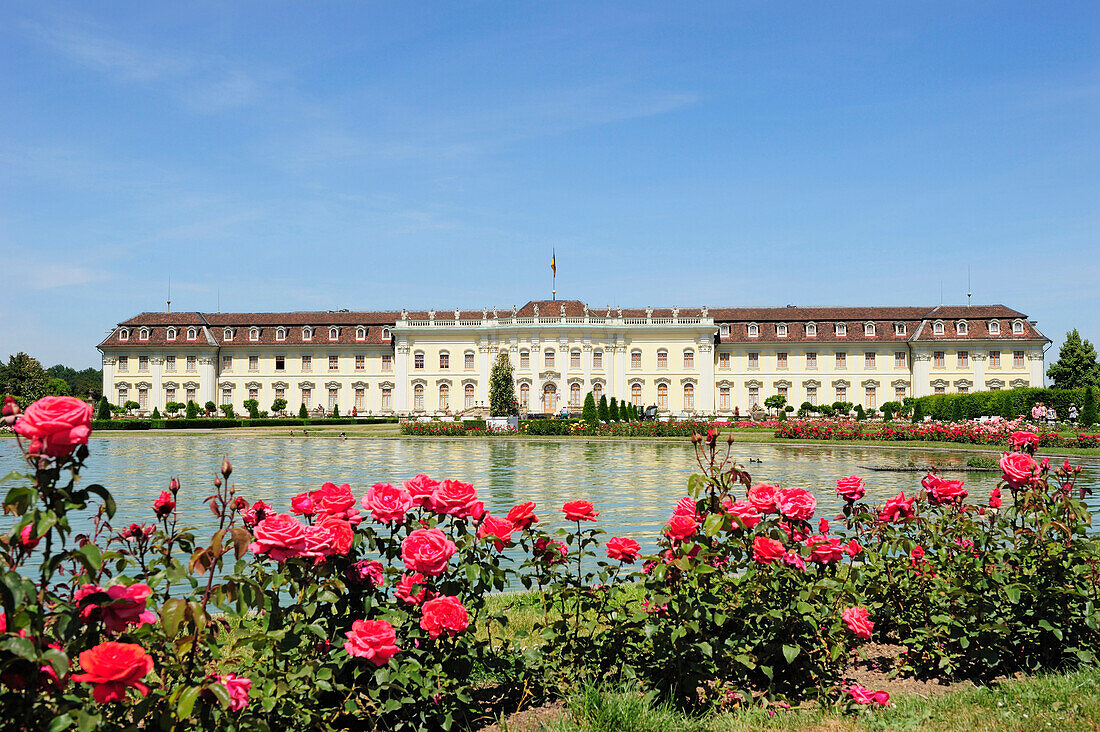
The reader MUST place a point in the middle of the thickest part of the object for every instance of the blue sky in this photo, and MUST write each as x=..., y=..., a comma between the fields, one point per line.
x=379, y=155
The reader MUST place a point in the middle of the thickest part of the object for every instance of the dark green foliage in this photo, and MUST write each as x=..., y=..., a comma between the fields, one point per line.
x=103, y=409
x=1076, y=366
x=335, y=410
x=278, y=405
x=1007, y=403
x=86, y=384
x=602, y=409
x=613, y=412
x=1089, y=415
x=173, y=407
x=24, y=378
x=589, y=413
x=253, y=407
x=550, y=426
x=130, y=405
x=303, y=413
x=860, y=414
x=502, y=388
x=227, y=410
x=211, y=407
x=627, y=411
x=889, y=409
x=192, y=410
x=155, y=414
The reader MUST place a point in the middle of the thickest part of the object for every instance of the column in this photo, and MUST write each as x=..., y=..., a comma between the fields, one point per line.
x=156, y=369
x=922, y=373
x=401, y=379
x=208, y=380
x=109, y=378
x=586, y=364
x=609, y=365
x=486, y=354
x=979, y=370
x=1036, y=366
x=704, y=393
x=620, y=369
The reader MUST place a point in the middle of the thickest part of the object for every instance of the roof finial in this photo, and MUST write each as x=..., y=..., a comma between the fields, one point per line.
x=169, y=293
x=968, y=293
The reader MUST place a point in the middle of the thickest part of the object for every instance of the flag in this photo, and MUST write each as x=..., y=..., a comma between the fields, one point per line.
x=553, y=264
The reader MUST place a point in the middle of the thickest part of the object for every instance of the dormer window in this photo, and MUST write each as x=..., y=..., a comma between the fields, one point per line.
x=171, y=334
x=124, y=334
x=869, y=330
x=724, y=330
x=961, y=327
x=899, y=329
x=360, y=333
x=937, y=328
x=333, y=334
x=253, y=334
x=385, y=334
x=228, y=333
x=143, y=334
x=994, y=327
x=280, y=334
x=754, y=330
x=1017, y=326
x=781, y=330
x=842, y=330
x=307, y=334
x=811, y=330
x=192, y=334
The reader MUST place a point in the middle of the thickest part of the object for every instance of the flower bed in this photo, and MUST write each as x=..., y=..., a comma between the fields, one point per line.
x=580, y=428
x=370, y=610
x=997, y=432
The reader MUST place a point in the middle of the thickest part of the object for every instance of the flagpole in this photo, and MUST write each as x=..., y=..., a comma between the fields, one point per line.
x=554, y=276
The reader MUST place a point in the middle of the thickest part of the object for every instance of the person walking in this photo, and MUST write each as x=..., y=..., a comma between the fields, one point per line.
x=1073, y=413
x=1038, y=412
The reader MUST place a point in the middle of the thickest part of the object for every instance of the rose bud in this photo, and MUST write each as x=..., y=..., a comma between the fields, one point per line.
x=217, y=481
x=227, y=469
x=174, y=486
x=11, y=408
x=240, y=504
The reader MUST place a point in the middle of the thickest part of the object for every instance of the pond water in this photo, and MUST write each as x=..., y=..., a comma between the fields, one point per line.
x=634, y=485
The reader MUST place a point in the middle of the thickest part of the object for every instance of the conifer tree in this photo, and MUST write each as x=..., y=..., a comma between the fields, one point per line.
x=303, y=413
x=602, y=409
x=589, y=413
x=155, y=414
x=103, y=409
x=1076, y=366
x=627, y=411
x=1090, y=412
x=192, y=410
x=502, y=388
x=613, y=412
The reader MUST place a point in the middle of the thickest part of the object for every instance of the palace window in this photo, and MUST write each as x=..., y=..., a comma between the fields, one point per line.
x=333, y=363
x=1017, y=359
x=1017, y=326
x=781, y=391
x=169, y=394
x=387, y=362
x=900, y=359
x=171, y=334
x=253, y=334
x=754, y=360
x=811, y=395
x=689, y=359
x=468, y=395
x=869, y=360
x=123, y=396
x=963, y=359
x=190, y=395
x=333, y=334
x=869, y=330
x=870, y=394
x=961, y=327
x=360, y=362
x=418, y=398
x=387, y=398
x=842, y=359
x=418, y=361
x=192, y=363
x=359, y=394
x=597, y=392
x=781, y=360
x=548, y=358
x=994, y=327
x=662, y=359
x=899, y=329
x=724, y=361
x=689, y=396
x=524, y=396
x=937, y=327
x=899, y=392
x=444, y=397
x=169, y=363
x=937, y=359
x=724, y=397
x=635, y=359
x=636, y=394
x=753, y=330
x=524, y=359
x=332, y=399
x=253, y=393
x=253, y=363
x=940, y=389
x=123, y=334
x=574, y=396
x=994, y=359
x=811, y=360
x=597, y=359
x=143, y=334
x=280, y=392
x=360, y=333
x=227, y=396
x=385, y=334
x=280, y=363
x=781, y=330
x=754, y=395
x=227, y=363
x=280, y=334
x=468, y=360
x=841, y=394
x=962, y=388
x=724, y=330
x=307, y=364
x=811, y=330
x=228, y=334
x=143, y=363
x=574, y=359
x=662, y=396
x=444, y=361
x=307, y=334
x=192, y=334
x=842, y=329
x=143, y=398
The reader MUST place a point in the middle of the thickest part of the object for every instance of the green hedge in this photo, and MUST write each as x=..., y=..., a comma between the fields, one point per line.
x=223, y=423
x=1010, y=403
x=548, y=426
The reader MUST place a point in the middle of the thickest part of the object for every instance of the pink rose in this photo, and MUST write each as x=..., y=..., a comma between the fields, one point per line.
x=122, y=607
x=551, y=551
x=239, y=689
x=622, y=549
x=763, y=497
x=412, y=589
x=1024, y=440
x=995, y=498
x=680, y=527
x=342, y=533
x=387, y=503
x=335, y=500
x=59, y=424
x=500, y=529
x=796, y=503
x=366, y=571
x=256, y=513
x=374, y=640
x=858, y=621
x=1018, y=468
x=942, y=491
x=824, y=550
x=522, y=516
x=302, y=504
x=279, y=536
x=319, y=542
x=455, y=498
x=851, y=488
x=427, y=551
x=897, y=508
x=579, y=511
x=685, y=507
x=766, y=551
x=861, y=695
x=27, y=537
x=746, y=512
x=421, y=489
x=443, y=615
x=852, y=548
x=164, y=505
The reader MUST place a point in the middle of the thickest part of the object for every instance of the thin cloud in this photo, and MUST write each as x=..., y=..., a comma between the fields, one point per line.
x=50, y=276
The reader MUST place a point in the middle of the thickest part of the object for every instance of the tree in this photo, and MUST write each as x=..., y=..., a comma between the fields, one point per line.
x=502, y=388
x=918, y=412
x=860, y=414
x=211, y=408
x=86, y=384
x=155, y=414
x=174, y=407
x=601, y=410
x=227, y=409
x=1076, y=366
x=24, y=379
x=1089, y=412
x=628, y=412
x=335, y=410
x=303, y=413
x=589, y=413
x=253, y=407
x=192, y=410
x=57, y=387
x=613, y=411
x=103, y=409
x=776, y=402
x=130, y=406
x=278, y=405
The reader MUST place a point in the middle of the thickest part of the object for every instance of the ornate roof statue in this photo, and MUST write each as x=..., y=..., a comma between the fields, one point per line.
x=536, y=310
x=563, y=310
x=404, y=314
x=704, y=312
x=431, y=315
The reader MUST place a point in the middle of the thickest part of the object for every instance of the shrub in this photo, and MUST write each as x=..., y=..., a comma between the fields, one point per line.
x=335, y=410
x=860, y=414
x=174, y=407
x=613, y=411
x=602, y=409
x=589, y=413
x=210, y=407
x=103, y=409
x=155, y=415
x=278, y=405
x=918, y=413
x=1089, y=410
x=502, y=388
x=628, y=412
x=192, y=410
x=253, y=407
x=131, y=405
x=303, y=413
x=227, y=410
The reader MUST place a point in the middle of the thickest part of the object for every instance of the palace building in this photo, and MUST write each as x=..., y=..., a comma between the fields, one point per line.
x=686, y=361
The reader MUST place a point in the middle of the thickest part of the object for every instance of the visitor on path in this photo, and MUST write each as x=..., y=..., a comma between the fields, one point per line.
x=1073, y=413
x=1038, y=412
x=1052, y=416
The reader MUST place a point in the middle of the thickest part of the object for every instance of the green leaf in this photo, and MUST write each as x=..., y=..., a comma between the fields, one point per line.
x=713, y=524
x=790, y=653
x=220, y=693
x=171, y=614
x=91, y=552
x=187, y=700
x=21, y=647
x=59, y=723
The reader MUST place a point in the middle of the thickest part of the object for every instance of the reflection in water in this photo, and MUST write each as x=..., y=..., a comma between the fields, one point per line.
x=633, y=484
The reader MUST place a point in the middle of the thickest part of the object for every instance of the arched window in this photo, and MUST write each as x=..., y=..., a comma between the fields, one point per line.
x=228, y=334
x=842, y=329
x=636, y=395
x=280, y=334
x=753, y=330
x=689, y=358
x=994, y=327
x=635, y=359
x=662, y=396
x=781, y=330
x=724, y=330
x=123, y=334
x=597, y=392
x=444, y=360
x=549, y=399
x=307, y=334
x=869, y=330
x=524, y=396
x=575, y=396
x=143, y=334
x=937, y=327
x=172, y=334
x=385, y=334
x=333, y=334
x=962, y=327
x=662, y=359
x=387, y=398
x=724, y=398
x=1017, y=326
x=444, y=397
x=899, y=329
x=469, y=396
x=689, y=396
x=360, y=333
x=418, y=398
x=192, y=334
x=811, y=330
